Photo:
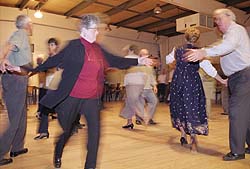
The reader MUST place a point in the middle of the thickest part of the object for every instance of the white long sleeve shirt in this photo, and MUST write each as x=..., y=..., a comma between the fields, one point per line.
x=205, y=64
x=234, y=50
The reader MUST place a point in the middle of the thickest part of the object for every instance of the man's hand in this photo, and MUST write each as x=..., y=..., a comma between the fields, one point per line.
x=147, y=61
x=12, y=68
x=224, y=82
x=3, y=64
x=193, y=55
x=155, y=89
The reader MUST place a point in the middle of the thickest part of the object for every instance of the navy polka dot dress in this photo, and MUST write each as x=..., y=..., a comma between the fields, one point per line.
x=187, y=97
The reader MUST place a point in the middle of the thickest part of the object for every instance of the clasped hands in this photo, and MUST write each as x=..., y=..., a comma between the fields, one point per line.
x=6, y=66
x=148, y=61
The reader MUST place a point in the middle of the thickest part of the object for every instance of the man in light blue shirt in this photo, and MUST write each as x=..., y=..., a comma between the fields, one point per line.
x=16, y=52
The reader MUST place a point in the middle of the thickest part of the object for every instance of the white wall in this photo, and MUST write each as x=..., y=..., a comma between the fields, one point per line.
x=65, y=29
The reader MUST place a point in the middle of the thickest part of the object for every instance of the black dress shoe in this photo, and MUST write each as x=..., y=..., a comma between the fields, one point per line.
x=57, y=162
x=128, y=126
x=152, y=122
x=138, y=122
x=247, y=150
x=53, y=117
x=231, y=157
x=5, y=161
x=42, y=136
x=17, y=153
x=80, y=126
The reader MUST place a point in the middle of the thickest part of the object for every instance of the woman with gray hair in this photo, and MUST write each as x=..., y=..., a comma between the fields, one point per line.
x=80, y=89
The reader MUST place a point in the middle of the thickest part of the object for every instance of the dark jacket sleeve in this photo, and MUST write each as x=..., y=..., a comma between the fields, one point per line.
x=119, y=62
x=52, y=62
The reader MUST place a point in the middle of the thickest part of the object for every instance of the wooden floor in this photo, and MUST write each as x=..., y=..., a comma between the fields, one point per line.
x=145, y=147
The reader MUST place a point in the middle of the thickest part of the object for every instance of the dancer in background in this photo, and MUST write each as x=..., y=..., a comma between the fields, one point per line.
x=148, y=97
x=162, y=85
x=134, y=82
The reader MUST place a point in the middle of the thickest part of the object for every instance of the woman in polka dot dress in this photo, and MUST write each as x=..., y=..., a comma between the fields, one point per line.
x=187, y=97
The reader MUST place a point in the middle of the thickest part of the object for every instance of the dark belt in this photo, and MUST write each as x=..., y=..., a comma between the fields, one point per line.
x=22, y=73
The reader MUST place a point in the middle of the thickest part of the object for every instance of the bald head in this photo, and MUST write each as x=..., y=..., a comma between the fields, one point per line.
x=144, y=53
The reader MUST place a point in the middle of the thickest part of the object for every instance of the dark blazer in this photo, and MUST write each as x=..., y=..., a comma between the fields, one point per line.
x=71, y=59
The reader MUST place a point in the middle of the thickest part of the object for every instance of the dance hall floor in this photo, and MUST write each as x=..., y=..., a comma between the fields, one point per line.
x=144, y=147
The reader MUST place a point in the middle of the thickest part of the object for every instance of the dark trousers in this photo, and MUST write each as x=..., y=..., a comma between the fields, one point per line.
x=167, y=92
x=44, y=121
x=67, y=113
x=42, y=92
x=14, y=94
x=248, y=138
x=239, y=110
x=161, y=91
x=44, y=113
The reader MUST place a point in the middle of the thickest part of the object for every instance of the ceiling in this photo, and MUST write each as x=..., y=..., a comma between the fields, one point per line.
x=133, y=14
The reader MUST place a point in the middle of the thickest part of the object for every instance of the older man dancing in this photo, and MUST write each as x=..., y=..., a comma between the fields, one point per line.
x=234, y=50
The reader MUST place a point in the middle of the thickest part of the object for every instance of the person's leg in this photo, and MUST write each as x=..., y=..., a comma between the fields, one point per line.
x=42, y=92
x=67, y=112
x=43, y=126
x=132, y=104
x=139, y=120
x=194, y=143
x=14, y=93
x=247, y=150
x=91, y=110
x=167, y=95
x=151, y=102
x=18, y=141
x=133, y=99
x=239, y=115
x=183, y=138
x=77, y=125
x=224, y=99
x=159, y=93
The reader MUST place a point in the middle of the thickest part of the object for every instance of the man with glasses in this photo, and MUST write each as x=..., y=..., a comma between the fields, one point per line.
x=234, y=52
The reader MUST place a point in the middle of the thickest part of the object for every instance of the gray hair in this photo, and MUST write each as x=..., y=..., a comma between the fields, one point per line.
x=21, y=21
x=226, y=12
x=89, y=19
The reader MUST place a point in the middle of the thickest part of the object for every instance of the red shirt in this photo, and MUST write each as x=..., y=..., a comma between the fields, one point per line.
x=91, y=78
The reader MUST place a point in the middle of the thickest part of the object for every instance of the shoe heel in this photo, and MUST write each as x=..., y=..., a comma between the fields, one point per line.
x=183, y=141
x=132, y=126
